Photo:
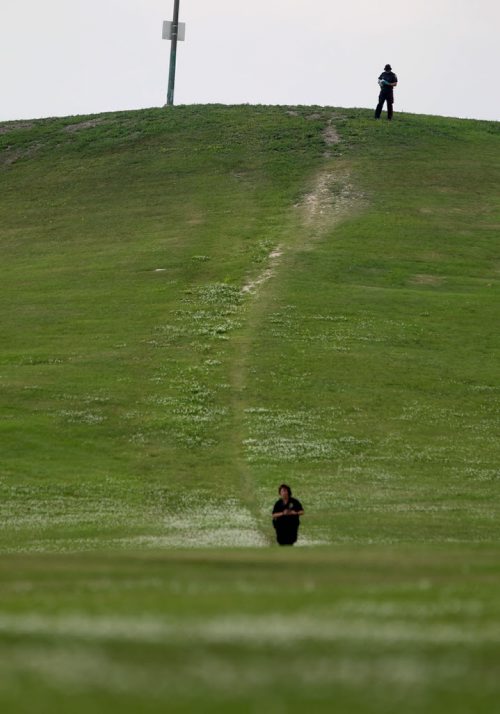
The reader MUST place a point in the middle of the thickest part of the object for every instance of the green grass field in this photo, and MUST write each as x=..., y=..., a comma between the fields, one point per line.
x=200, y=303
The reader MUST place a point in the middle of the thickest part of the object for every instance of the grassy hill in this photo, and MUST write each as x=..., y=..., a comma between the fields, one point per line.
x=203, y=302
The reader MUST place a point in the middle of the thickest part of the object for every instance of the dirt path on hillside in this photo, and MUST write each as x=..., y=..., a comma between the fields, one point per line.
x=330, y=199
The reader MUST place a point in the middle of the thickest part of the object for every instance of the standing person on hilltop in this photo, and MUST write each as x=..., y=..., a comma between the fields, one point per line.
x=387, y=81
x=286, y=516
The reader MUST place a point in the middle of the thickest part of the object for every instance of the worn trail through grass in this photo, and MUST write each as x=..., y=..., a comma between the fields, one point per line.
x=329, y=199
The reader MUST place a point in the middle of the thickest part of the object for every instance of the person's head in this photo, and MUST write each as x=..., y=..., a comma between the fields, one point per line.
x=285, y=491
x=388, y=68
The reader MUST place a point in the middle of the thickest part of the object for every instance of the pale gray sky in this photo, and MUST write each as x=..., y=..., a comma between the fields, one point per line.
x=61, y=57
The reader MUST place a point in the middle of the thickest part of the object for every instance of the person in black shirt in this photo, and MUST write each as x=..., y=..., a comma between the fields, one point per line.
x=387, y=81
x=286, y=516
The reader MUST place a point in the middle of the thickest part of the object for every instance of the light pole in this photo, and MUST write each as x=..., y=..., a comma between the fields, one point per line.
x=173, y=54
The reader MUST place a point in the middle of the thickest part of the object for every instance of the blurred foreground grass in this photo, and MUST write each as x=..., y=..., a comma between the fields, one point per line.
x=361, y=629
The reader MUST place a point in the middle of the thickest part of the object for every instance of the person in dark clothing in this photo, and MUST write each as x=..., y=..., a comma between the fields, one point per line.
x=387, y=81
x=286, y=516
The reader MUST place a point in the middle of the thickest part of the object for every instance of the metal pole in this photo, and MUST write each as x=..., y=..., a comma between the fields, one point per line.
x=173, y=55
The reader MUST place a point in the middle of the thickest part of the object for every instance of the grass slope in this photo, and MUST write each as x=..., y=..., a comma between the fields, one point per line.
x=196, y=305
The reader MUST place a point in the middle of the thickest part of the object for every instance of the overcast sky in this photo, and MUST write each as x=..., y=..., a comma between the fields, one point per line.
x=61, y=57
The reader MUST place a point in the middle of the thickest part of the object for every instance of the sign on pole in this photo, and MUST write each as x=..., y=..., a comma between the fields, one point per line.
x=167, y=31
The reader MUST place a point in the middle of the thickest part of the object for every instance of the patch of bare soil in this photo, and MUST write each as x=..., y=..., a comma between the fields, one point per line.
x=90, y=124
x=15, y=126
x=273, y=260
x=331, y=135
x=424, y=279
x=332, y=197
x=10, y=155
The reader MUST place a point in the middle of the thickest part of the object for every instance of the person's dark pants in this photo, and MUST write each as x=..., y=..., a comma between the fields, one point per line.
x=384, y=97
x=286, y=533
